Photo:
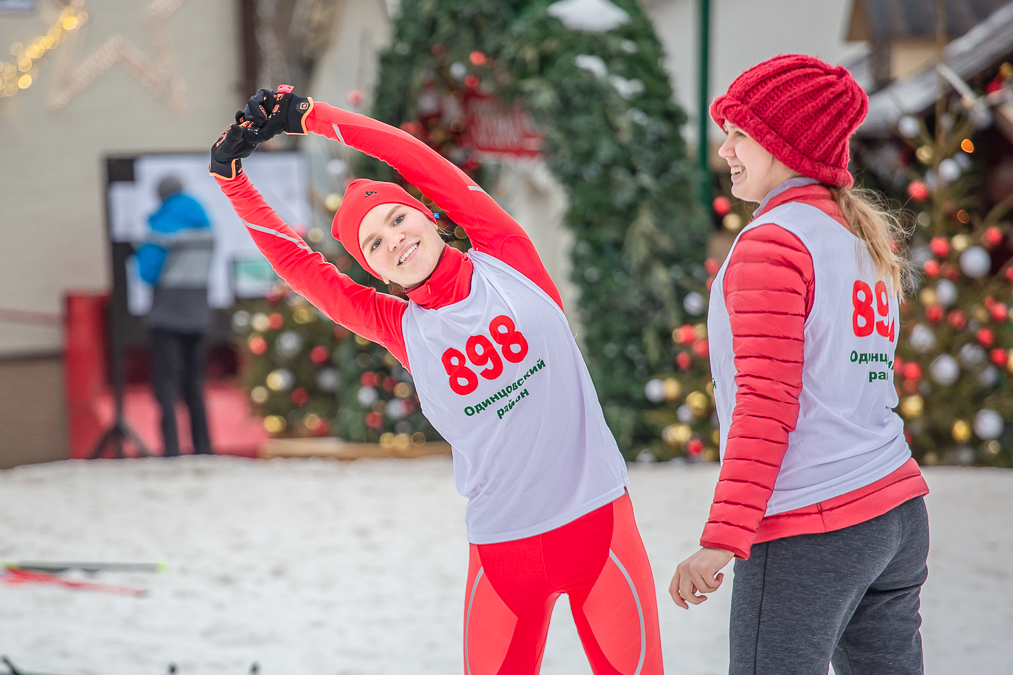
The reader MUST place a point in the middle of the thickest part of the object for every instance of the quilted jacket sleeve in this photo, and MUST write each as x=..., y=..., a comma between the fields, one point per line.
x=768, y=288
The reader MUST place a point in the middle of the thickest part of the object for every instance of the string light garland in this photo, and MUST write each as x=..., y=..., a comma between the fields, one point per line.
x=21, y=72
x=159, y=77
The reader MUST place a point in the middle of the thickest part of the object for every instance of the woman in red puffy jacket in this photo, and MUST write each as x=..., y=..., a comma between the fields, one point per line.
x=818, y=497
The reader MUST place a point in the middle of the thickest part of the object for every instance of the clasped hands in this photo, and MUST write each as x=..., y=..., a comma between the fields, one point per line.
x=267, y=114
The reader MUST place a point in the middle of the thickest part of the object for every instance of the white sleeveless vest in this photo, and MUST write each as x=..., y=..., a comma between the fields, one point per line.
x=847, y=435
x=531, y=448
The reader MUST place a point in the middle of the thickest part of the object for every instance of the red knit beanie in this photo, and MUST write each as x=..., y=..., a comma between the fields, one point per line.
x=801, y=110
x=360, y=197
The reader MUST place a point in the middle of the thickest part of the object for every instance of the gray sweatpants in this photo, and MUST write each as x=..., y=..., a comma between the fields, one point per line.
x=849, y=596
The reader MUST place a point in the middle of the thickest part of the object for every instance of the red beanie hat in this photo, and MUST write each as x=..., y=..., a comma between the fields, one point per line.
x=360, y=197
x=801, y=110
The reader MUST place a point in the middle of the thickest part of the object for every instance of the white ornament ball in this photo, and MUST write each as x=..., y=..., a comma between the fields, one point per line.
x=988, y=424
x=288, y=344
x=989, y=377
x=972, y=354
x=946, y=292
x=949, y=170
x=395, y=409
x=241, y=321
x=909, y=126
x=975, y=262
x=458, y=70
x=944, y=370
x=654, y=390
x=922, y=338
x=685, y=414
x=281, y=379
x=367, y=396
x=694, y=304
x=328, y=380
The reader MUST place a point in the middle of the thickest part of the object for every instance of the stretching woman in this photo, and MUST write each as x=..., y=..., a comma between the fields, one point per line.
x=818, y=497
x=498, y=374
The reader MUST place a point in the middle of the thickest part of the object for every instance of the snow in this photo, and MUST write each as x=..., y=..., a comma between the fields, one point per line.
x=316, y=567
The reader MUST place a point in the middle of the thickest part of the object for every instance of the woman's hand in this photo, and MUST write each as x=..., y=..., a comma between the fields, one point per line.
x=698, y=573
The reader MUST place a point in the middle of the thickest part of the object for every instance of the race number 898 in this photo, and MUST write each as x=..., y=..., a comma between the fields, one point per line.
x=481, y=352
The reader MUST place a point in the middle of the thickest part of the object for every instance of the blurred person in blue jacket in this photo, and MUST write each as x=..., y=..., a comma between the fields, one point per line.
x=175, y=258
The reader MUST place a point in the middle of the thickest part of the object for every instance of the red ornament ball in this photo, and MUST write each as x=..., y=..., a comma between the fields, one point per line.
x=700, y=348
x=368, y=379
x=299, y=396
x=374, y=420
x=711, y=265
x=918, y=190
x=934, y=313
x=722, y=205
x=999, y=311
x=940, y=246
x=389, y=383
x=319, y=354
x=694, y=447
x=1009, y=273
x=912, y=371
x=258, y=345
x=985, y=336
x=477, y=58
x=992, y=237
x=999, y=356
x=931, y=267
x=684, y=361
x=275, y=321
x=685, y=334
x=957, y=319
x=470, y=81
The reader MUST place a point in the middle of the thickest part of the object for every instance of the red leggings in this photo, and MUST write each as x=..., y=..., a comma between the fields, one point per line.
x=600, y=562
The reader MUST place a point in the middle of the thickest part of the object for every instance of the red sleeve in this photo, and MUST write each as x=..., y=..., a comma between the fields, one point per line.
x=373, y=315
x=489, y=227
x=768, y=289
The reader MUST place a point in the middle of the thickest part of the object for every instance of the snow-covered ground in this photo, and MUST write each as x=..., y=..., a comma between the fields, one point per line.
x=314, y=567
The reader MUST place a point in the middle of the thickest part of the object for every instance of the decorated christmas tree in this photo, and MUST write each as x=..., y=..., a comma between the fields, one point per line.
x=587, y=93
x=953, y=367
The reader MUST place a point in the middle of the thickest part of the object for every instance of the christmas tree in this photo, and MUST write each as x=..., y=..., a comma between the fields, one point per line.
x=608, y=129
x=953, y=367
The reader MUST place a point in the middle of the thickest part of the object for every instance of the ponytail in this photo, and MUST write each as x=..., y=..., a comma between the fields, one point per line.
x=882, y=231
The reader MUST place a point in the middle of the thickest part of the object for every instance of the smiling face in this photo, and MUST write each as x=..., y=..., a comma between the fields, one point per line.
x=400, y=243
x=754, y=170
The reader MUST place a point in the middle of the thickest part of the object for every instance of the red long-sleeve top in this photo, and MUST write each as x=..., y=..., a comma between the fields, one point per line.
x=374, y=315
x=770, y=272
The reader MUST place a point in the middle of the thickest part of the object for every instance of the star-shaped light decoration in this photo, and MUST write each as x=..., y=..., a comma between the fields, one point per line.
x=21, y=72
x=159, y=77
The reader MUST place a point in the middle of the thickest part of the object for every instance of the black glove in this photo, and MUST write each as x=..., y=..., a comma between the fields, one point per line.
x=230, y=148
x=274, y=112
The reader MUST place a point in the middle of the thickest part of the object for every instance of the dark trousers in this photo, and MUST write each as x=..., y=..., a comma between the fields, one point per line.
x=850, y=597
x=177, y=363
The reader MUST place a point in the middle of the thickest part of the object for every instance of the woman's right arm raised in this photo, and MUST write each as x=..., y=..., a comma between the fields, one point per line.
x=373, y=315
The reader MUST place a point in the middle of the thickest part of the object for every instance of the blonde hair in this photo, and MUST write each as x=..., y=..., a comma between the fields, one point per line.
x=881, y=229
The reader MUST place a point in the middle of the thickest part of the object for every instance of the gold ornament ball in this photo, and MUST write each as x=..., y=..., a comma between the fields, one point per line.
x=980, y=314
x=912, y=406
x=676, y=434
x=961, y=431
x=732, y=222
x=402, y=390
x=303, y=315
x=332, y=202
x=716, y=437
x=402, y=442
x=418, y=438
x=927, y=296
x=930, y=459
x=311, y=421
x=274, y=424
x=699, y=403
x=315, y=235
x=387, y=439
x=710, y=455
x=924, y=154
x=259, y=394
x=700, y=331
x=1005, y=70
x=992, y=447
x=260, y=322
x=672, y=388
x=277, y=380
x=959, y=242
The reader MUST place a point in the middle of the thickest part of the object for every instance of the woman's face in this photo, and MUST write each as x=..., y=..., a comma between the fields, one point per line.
x=754, y=170
x=400, y=243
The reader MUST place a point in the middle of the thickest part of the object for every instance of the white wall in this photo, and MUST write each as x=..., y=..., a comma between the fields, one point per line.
x=52, y=221
x=743, y=33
